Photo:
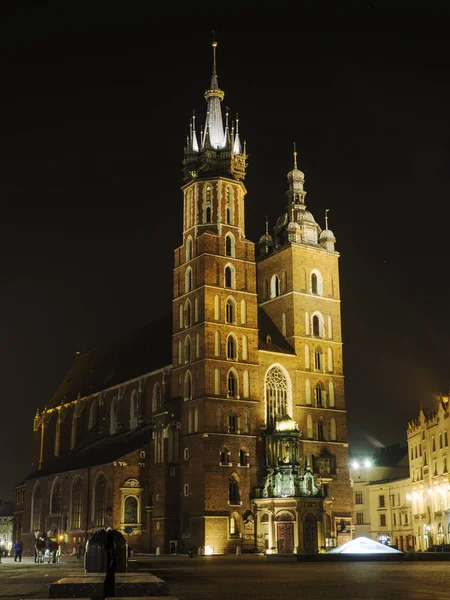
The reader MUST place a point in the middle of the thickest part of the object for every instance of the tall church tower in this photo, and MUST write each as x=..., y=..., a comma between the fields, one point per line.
x=215, y=333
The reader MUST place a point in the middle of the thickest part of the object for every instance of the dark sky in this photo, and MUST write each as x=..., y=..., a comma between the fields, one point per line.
x=95, y=109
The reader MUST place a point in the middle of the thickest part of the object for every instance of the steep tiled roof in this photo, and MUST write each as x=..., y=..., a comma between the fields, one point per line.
x=142, y=351
x=101, y=452
x=267, y=328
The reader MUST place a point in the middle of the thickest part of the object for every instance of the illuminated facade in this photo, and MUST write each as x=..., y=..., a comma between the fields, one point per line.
x=429, y=458
x=224, y=428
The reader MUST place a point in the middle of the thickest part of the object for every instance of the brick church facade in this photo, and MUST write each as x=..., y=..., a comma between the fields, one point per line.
x=232, y=432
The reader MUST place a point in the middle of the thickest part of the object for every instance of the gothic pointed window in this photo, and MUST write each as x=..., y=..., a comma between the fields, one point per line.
x=37, y=507
x=331, y=394
x=188, y=280
x=314, y=286
x=99, y=501
x=56, y=497
x=217, y=343
x=274, y=286
x=224, y=456
x=234, y=525
x=216, y=308
x=217, y=382
x=320, y=431
x=276, y=395
x=189, y=248
x=188, y=386
x=318, y=359
x=319, y=396
x=77, y=503
x=187, y=314
x=208, y=214
x=231, y=347
x=316, y=326
x=230, y=311
x=232, y=384
x=229, y=276
x=234, y=491
x=243, y=312
x=243, y=457
x=229, y=208
x=229, y=245
x=187, y=349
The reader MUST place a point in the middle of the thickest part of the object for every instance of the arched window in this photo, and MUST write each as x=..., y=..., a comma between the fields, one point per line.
x=318, y=359
x=217, y=308
x=189, y=248
x=316, y=283
x=331, y=394
x=188, y=386
x=156, y=399
x=243, y=457
x=244, y=347
x=187, y=313
x=276, y=395
x=319, y=396
x=246, y=384
x=92, y=422
x=234, y=491
x=229, y=244
x=274, y=286
x=283, y=324
x=320, y=431
x=99, y=501
x=208, y=216
x=316, y=325
x=229, y=277
x=234, y=525
x=56, y=497
x=37, y=507
x=243, y=312
x=187, y=349
x=232, y=384
x=217, y=382
x=113, y=417
x=231, y=347
x=230, y=311
x=130, y=510
x=188, y=280
x=217, y=343
x=333, y=429
x=134, y=410
x=330, y=360
x=224, y=456
x=309, y=427
x=77, y=503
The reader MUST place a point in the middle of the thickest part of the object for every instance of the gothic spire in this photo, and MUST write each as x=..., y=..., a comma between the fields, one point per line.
x=214, y=96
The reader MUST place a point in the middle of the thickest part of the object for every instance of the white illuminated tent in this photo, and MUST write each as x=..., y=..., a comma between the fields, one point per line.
x=363, y=545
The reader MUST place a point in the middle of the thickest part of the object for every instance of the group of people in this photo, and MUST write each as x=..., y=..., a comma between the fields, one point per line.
x=18, y=550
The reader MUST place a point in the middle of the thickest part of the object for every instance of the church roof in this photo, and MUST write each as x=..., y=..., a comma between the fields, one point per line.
x=101, y=452
x=142, y=351
x=269, y=337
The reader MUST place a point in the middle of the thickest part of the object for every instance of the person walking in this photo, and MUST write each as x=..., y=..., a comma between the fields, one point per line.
x=16, y=549
x=20, y=550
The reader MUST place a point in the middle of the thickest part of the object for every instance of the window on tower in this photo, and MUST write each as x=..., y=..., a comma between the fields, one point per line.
x=319, y=396
x=229, y=245
x=276, y=394
x=232, y=384
x=229, y=276
x=234, y=491
x=231, y=347
x=232, y=423
x=274, y=286
x=318, y=359
x=230, y=315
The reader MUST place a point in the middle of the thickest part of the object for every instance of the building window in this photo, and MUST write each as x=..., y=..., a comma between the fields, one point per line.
x=276, y=395
x=433, y=442
x=186, y=489
x=188, y=386
x=187, y=314
x=224, y=456
x=319, y=396
x=188, y=280
x=229, y=277
x=243, y=458
x=234, y=491
x=232, y=385
x=131, y=501
x=360, y=518
x=320, y=431
x=318, y=362
x=274, y=286
x=358, y=497
x=229, y=245
x=186, y=453
x=37, y=505
x=234, y=527
x=230, y=311
x=231, y=347
x=381, y=501
x=131, y=510
x=314, y=287
x=382, y=520
x=92, y=416
x=77, y=503
x=56, y=497
x=232, y=423
x=445, y=439
x=99, y=501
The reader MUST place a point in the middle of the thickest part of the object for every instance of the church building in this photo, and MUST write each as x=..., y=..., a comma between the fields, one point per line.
x=230, y=434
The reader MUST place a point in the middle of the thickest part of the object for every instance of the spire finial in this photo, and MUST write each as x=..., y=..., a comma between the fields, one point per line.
x=327, y=210
x=295, y=157
x=214, y=46
x=267, y=225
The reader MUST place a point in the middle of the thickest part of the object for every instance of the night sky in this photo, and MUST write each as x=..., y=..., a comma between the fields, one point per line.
x=95, y=109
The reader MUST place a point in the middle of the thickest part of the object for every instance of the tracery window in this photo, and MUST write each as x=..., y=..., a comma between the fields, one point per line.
x=56, y=497
x=276, y=394
x=37, y=506
x=131, y=510
x=77, y=503
x=99, y=501
x=234, y=491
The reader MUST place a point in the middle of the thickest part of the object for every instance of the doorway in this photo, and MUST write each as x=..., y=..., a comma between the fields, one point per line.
x=285, y=537
x=310, y=534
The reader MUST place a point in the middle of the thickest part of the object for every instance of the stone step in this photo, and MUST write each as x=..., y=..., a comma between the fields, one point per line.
x=91, y=585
